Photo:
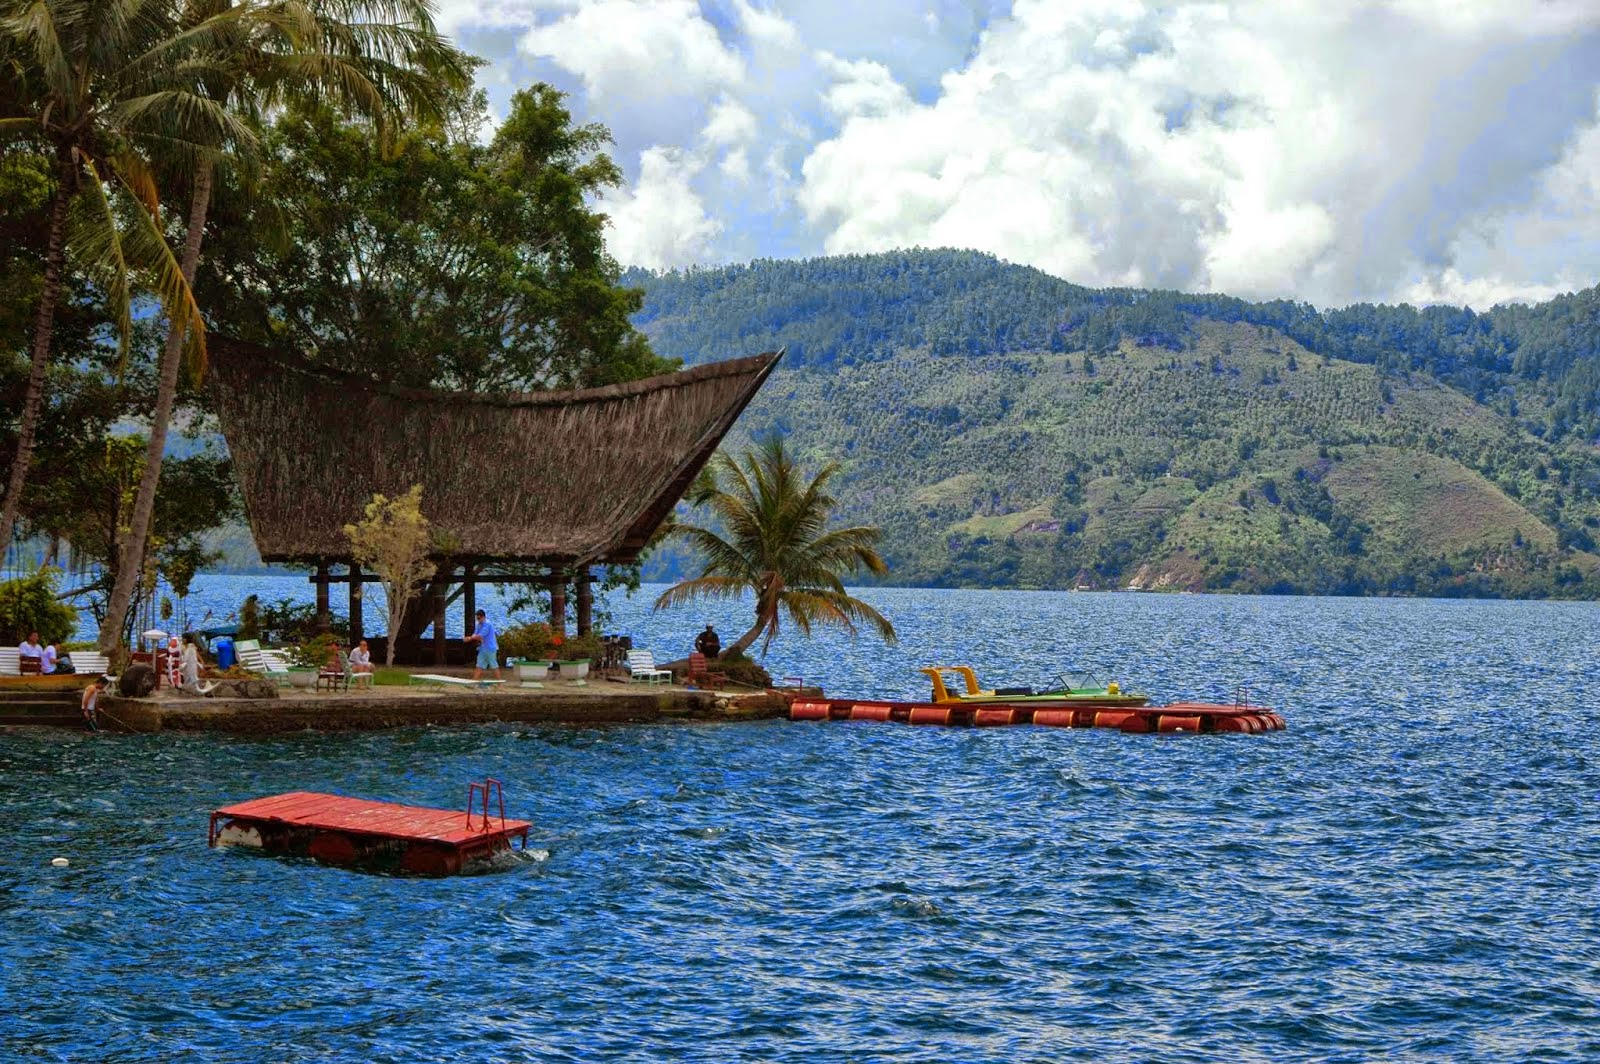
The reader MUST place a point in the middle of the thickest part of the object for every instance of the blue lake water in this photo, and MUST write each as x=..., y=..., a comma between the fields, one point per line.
x=1410, y=871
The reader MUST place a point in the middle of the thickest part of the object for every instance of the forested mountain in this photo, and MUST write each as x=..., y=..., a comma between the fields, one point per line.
x=1007, y=428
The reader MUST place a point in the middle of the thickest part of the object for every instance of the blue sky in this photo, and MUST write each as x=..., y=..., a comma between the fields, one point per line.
x=1325, y=150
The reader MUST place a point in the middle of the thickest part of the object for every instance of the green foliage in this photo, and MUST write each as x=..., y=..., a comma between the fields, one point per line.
x=449, y=259
x=530, y=642
x=774, y=542
x=578, y=648
x=1216, y=453
x=312, y=652
x=287, y=623
x=743, y=670
x=29, y=604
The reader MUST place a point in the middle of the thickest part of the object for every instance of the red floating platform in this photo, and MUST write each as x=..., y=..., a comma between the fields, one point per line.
x=1179, y=718
x=380, y=835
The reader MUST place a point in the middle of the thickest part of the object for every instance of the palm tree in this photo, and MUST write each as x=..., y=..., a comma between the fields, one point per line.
x=777, y=545
x=89, y=84
x=251, y=57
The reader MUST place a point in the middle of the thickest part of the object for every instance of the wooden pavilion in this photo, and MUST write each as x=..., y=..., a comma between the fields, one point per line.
x=555, y=481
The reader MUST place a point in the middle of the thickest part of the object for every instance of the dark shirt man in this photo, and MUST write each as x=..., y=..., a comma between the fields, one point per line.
x=708, y=643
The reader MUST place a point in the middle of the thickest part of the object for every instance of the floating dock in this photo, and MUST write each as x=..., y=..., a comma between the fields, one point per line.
x=381, y=836
x=1189, y=718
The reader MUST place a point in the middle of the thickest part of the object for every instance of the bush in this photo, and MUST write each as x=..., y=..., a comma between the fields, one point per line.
x=578, y=648
x=530, y=642
x=29, y=604
x=743, y=670
x=287, y=622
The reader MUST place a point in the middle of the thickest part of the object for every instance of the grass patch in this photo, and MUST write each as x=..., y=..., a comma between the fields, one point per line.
x=391, y=677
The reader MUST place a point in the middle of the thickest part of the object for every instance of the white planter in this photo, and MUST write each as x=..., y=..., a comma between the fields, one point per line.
x=574, y=670
x=533, y=671
x=303, y=677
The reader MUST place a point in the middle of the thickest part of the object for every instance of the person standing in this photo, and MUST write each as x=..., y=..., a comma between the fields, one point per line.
x=488, y=647
x=91, y=701
x=708, y=643
x=189, y=664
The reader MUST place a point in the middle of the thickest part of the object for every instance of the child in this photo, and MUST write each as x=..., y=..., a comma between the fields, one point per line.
x=91, y=701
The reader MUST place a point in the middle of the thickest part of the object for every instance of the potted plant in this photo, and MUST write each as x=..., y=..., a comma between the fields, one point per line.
x=307, y=658
x=527, y=650
x=574, y=656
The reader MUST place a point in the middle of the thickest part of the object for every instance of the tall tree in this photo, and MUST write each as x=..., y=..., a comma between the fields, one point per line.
x=380, y=58
x=453, y=259
x=775, y=544
x=93, y=85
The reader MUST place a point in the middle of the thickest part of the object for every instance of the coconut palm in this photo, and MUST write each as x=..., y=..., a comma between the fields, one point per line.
x=777, y=546
x=92, y=85
x=381, y=58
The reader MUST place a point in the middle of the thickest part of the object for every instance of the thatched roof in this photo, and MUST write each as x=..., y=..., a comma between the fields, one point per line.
x=554, y=477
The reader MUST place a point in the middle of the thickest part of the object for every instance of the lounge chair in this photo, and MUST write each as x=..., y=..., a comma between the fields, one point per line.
x=10, y=662
x=253, y=658
x=91, y=662
x=430, y=679
x=642, y=668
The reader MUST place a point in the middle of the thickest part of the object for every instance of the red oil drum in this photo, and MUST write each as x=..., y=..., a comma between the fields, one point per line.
x=994, y=717
x=1112, y=718
x=868, y=711
x=928, y=715
x=808, y=711
x=1174, y=722
x=1054, y=718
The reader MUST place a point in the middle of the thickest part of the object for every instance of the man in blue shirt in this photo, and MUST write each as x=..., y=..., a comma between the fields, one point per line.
x=488, y=647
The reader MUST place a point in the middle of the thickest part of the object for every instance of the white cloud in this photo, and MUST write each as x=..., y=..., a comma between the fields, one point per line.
x=1324, y=151
x=660, y=221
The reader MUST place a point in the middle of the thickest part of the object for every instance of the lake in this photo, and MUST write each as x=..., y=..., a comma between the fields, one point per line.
x=1407, y=872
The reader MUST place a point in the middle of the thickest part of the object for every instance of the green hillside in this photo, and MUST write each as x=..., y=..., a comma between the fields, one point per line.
x=1008, y=429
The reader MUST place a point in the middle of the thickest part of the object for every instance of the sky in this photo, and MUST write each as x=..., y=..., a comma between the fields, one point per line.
x=1332, y=151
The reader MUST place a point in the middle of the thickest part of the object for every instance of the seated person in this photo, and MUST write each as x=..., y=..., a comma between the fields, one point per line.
x=30, y=654
x=361, y=658
x=48, y=662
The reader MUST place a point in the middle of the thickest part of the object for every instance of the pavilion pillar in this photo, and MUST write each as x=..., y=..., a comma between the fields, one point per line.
x=357, y=632
x=558, y=600
x=469, y=600
x=439, y=600
x=585, y=600
x=323, y=616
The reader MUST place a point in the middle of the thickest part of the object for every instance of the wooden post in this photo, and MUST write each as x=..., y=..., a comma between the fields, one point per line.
x=438, y=620
x=558, y=601
x=357, y=632
x=469, y=600
x=585, y=600
x=323, y=618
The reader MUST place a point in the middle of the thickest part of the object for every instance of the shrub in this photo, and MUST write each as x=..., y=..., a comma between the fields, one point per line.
x=578, y=648
x=313, y=653
x=287, y=622
x=29, y=604
x=743, y=670
x=528, y=641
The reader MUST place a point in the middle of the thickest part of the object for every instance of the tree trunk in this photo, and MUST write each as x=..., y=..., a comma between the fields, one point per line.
x=740, y=645
x=43, y=332
x=130, y=559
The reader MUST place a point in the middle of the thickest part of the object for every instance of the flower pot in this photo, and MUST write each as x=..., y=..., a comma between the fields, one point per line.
x=575, y=670
x=302, y=677
x=532, y=671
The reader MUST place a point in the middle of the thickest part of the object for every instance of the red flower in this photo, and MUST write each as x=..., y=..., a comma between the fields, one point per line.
x=555, y=640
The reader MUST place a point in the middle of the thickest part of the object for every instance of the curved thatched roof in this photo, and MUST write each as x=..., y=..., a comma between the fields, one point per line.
x=565, y=477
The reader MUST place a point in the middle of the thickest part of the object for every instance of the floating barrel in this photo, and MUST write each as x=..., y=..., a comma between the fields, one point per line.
x=808, y=711
x=926, y=715
x=1054, y=718
x=1276, y=721
x=994, y=716
x=1112, y=718
x=869, y=711
x=1138, y=724
x=1233, y=722
x=1175, y=722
